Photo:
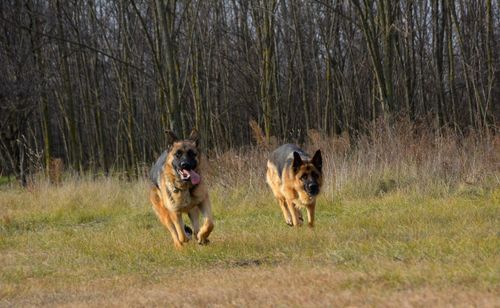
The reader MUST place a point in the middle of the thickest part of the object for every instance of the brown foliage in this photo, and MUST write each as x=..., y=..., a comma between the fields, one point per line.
x=56, y=170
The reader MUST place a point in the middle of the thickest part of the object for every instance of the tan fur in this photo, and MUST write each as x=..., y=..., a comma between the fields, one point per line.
x=183, y=200
x=289, y=191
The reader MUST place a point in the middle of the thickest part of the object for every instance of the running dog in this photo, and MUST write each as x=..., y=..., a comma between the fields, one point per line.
x=177, y=188
x=296, y=181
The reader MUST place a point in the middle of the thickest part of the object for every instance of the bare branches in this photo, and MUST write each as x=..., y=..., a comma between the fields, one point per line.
x=95, y=83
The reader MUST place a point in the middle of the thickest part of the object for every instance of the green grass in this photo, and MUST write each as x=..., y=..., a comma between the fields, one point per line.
x=96, y=238
x=6, y=180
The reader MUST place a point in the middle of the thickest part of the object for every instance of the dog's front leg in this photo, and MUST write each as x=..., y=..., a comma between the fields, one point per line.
x=179, y=226
x=208, y=223
x=194, y=216
x=165, y=217
x=294, y=213
x=286, y=212
x=310, y=213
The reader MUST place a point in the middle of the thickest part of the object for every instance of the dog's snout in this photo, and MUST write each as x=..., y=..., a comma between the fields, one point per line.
x=313, y=186
x=185, y=165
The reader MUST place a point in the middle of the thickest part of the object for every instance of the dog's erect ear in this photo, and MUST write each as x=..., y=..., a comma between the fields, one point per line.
x=171, y=137
x=194, y=136
x=297, y=162
x=317, y=161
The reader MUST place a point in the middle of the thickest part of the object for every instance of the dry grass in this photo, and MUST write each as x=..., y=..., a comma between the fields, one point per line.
x=389, y=158
x=404, y=221
x=253, y=286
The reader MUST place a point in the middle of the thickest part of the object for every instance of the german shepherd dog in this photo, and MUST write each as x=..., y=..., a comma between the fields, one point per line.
x=177, y=188
x=295, y=180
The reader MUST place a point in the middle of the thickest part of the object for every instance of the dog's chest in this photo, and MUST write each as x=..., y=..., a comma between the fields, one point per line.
x=180, y=199
x=303, y=200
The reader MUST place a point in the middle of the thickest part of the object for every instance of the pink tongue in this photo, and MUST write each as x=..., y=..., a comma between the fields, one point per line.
x=195, y=177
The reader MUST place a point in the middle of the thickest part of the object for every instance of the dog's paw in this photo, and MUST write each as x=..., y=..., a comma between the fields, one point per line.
x=203, y=241
x=289, y=222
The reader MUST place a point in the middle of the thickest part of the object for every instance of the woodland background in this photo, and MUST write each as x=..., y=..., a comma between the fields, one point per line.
x=96, y=82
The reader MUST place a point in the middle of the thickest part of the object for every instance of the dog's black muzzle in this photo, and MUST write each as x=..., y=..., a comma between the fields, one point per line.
x=187, y=165
x=185, y=168
x=184, y=164
x=311, y=188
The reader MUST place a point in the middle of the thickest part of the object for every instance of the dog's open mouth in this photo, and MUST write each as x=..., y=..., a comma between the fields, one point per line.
x=189, y=175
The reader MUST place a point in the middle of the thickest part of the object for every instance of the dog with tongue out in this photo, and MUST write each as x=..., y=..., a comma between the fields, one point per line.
x=177, y=188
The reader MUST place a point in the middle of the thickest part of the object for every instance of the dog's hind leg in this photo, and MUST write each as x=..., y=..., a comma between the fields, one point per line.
x=208, y=223
x=164, y=217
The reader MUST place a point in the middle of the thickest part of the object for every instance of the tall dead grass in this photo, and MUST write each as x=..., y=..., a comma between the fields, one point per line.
x=404, y=156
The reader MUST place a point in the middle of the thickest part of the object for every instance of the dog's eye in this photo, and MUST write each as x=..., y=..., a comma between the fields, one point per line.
x=303, y=177
x=191, y=153
x=178, y=154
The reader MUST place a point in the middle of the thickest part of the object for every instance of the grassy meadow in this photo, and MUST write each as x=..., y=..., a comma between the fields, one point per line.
x=397, y=225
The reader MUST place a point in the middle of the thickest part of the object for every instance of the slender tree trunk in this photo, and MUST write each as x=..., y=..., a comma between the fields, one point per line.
x=44, y=104
x=166, y=17
x=68, y=96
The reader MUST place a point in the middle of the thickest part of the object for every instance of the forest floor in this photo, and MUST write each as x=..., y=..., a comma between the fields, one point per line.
x=98, y=243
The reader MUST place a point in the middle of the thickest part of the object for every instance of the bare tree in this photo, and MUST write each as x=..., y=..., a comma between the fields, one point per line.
x=97, y=82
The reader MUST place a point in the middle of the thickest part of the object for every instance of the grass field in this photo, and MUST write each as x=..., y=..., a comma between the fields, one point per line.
x=99, y=243
x=404, y=219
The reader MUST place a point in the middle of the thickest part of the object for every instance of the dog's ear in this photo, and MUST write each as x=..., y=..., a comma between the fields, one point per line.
x=171, y=137
x=317, y=161
x=194, y=136
x=297, y=162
